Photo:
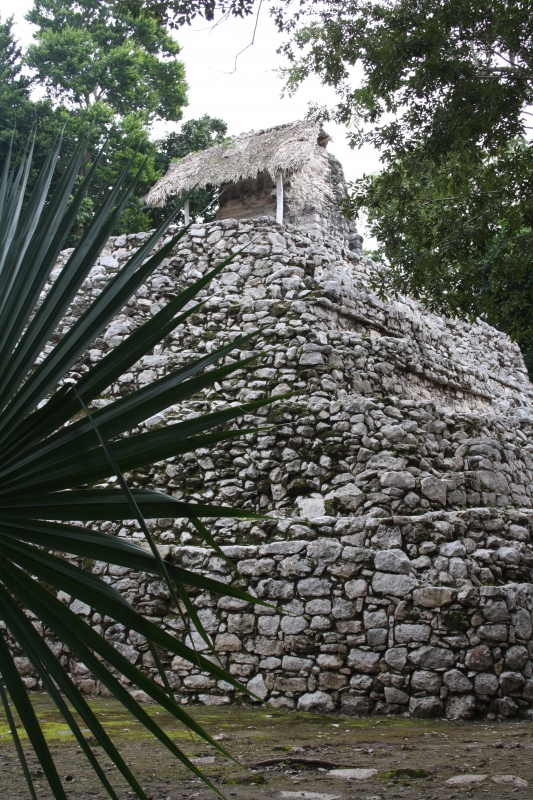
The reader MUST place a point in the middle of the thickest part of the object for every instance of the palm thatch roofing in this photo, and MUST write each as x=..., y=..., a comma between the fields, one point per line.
x=285, y=148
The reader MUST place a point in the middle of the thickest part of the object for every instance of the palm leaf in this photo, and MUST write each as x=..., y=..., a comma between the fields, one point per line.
x=49, y=456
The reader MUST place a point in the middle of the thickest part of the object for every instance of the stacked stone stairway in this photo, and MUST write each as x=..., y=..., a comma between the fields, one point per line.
x=397, y=483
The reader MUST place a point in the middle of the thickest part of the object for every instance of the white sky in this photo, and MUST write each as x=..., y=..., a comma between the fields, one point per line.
x=248, y=97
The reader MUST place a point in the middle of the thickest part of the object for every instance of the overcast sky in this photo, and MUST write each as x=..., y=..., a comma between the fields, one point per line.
x=247, y=95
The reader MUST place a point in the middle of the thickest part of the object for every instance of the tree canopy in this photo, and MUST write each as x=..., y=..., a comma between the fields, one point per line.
x=106, y=76
x=443, y=88
x=86, y=53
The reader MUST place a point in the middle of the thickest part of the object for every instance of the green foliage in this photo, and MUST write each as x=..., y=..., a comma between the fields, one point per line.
x=176, y=13
x=55, y=446
x=458, y=234
x=86, y=53
x=443, y=88
x=107, y=75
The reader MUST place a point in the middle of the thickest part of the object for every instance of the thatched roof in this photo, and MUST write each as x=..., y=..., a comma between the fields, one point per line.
x=285, y=148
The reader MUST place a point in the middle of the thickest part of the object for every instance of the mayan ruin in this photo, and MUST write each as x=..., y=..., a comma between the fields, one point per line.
x=397, y=478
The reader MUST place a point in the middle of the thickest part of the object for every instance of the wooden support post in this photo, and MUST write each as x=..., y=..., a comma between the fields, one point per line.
x=186, y=211
x=279, y=198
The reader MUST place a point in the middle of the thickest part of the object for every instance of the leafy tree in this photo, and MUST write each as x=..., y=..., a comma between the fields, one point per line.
x=195, y=135
x=107, y=76
x=53, y=443
x=445, y=94
x=18, y=114
x=86, y=53
x=176, y=13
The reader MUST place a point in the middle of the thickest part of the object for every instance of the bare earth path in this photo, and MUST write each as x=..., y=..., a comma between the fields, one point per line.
x=391, y=758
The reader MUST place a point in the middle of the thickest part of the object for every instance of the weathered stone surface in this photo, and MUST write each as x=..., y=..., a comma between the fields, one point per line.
x=516, y=657
x=394, y=585
x=434, y=489
x=463, y=707
x=393, y=695
x=398, y=480
x=396, y=658
x=398, y=541
x=465, y=780
x=486, y=683
x=258, y=687
x=319, y=702
x=432, y=658
x=456, y=681
x=411, y=633
x=432, y=596
x=392, y=561
x=511, y=681
x=363, y=661
x=350, y=497
x=479, y=658
x=510, y=780
x=353, y=774
x=426, y=681
x=425, y=707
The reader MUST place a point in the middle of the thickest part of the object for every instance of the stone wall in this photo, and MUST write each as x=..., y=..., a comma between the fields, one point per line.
x=251, y=197
x=398, y=483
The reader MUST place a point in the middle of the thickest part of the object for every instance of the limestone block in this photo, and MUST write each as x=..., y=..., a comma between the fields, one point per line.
x=264, y=646
x=479, y=658
x=411, y=633
x=268, y=626
x=227, y=643
x=364, y=661
x=283, y=684
x=522, y=624
x=493, y=633
x=356, y=588
x=319, y=702
x=319, y=606
x=294, y=566
x=453, y=550
x=197, y=682
x=432, y=596
x=376, y=637
x=516, y=657
x=326, y=550
x=456, y=681
x=486, y=684
x=332, y=681
x=434, y=489
x=342, y=609
x=392, y=561
x=396, y=696
x=398, y=480
x=496, y=611
x=375, y=619
x=253, y=567
x=426, y=681
x=353, y=706
x=349, y=497
x=270, y=589
x=425, y=707
x=313, y=587
x=258, y=687
x=394, y=585
x=295, y=664
x=432, y=658
x=293, y=625
x=396, y=658
x=511, y=681
x=311, y=507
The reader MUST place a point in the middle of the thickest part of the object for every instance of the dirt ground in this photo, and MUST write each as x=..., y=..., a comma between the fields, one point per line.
x=289, y=756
